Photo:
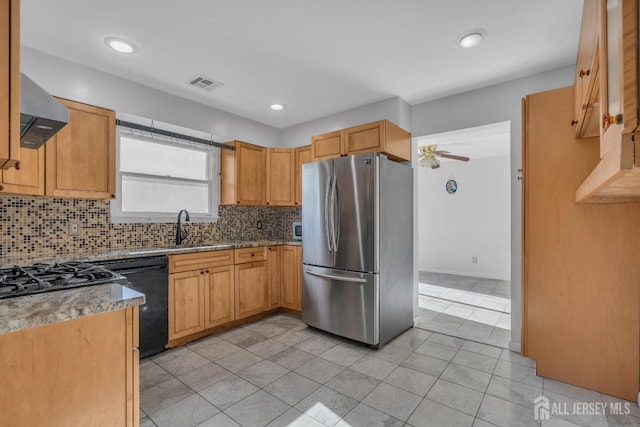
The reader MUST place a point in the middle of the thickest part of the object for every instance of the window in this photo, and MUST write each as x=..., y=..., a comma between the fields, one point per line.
x=157, y=177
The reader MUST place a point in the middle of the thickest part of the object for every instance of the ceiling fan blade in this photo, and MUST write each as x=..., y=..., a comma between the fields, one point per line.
x=451, y=156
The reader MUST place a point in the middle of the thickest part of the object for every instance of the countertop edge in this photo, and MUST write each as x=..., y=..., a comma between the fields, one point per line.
x=31, y=311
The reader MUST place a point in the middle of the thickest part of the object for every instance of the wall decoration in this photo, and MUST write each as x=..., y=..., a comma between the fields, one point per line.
x=452, y=185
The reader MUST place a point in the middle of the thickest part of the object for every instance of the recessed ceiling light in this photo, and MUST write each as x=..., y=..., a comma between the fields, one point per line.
x=120, y=45
x=278, y=107
x=471, y=38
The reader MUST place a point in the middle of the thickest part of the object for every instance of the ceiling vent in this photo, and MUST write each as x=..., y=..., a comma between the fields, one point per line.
x=203, y=82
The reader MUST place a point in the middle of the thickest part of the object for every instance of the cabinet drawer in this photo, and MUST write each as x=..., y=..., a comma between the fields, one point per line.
x=250, y=254
x=198, y=260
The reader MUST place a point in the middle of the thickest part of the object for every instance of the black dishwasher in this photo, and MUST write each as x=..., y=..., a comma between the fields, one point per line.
x=149, y=275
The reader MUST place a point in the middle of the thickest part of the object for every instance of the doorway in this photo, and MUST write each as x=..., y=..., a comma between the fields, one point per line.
x=464, y=236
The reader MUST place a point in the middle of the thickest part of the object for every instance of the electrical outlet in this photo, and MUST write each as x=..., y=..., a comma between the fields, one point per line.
x=74, y=227
x=474, y=259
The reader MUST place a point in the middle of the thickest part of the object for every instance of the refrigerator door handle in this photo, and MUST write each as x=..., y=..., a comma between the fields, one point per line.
x=327, y=199
x=335, y=205
x=341, y=278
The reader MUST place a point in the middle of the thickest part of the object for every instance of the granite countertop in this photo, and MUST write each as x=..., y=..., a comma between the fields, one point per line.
x=151, y=251
x=50, y=307
x=183, y=249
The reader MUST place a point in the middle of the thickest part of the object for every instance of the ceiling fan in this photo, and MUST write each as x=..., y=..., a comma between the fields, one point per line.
x=430, y=153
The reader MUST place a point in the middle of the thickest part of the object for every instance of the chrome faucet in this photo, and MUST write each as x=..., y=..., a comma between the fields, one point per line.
x=181, y=235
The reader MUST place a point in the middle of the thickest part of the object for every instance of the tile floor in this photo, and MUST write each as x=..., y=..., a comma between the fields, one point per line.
x=472, y=308
x=278, y=372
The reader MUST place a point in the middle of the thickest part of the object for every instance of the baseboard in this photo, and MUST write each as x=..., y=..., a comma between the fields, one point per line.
x=467, y=273
x=515, y=347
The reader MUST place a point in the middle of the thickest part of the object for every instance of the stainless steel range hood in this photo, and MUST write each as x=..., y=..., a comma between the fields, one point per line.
x=41, y=116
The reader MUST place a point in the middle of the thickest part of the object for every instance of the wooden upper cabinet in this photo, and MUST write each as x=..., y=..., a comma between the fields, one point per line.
x=280, y=176
x=9, y=83
x=29, y=179
x=382, y=136
x=327, y=146
x=243, y=174
x=303, y=155
x=616, y=178
x=586, y=87
x=80, y=158
x=619, y=76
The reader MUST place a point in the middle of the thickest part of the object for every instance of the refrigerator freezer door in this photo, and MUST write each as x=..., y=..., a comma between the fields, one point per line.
x=340, y=302
x=317, y=241
x=355, y=196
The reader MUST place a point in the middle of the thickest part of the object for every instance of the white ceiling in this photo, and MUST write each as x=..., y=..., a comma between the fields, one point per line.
x=317, y=57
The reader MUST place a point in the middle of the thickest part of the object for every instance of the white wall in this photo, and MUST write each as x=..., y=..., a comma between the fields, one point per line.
x=74, y=81
x=475, y=221
x=394, y=109
x=494, y=104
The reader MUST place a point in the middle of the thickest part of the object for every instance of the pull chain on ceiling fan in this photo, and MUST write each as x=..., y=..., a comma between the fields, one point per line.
x=430, y=153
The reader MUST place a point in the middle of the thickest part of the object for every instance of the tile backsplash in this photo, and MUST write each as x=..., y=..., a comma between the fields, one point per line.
x=38, y=228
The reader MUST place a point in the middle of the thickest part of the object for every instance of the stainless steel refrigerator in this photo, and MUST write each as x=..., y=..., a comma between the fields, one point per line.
x=357, y=247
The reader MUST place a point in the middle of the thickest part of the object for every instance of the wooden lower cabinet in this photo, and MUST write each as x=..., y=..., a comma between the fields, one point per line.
x=186, y=303
x=251, y=289
x=200, y=299
x=209, y=291
x=291, y=280
x=80, y=372
x=219, y=295
x=274, y=273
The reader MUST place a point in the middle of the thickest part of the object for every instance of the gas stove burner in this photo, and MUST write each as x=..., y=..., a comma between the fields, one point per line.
x=19, y=281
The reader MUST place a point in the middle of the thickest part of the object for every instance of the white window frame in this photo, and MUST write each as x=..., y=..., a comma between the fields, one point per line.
x=213, y=166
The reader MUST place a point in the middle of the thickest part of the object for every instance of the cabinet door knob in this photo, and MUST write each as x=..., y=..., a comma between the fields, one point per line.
x=583, y=73
x=202, y=272
x=206, y=271
x=574, y=122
